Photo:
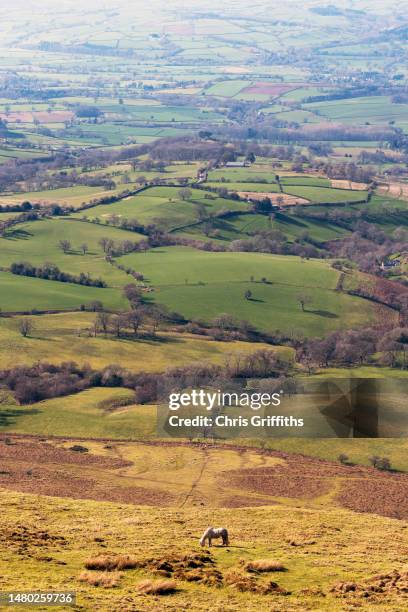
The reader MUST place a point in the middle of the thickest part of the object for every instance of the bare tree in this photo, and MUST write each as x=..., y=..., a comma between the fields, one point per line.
x=102, y=321
x=135, y=319
x=304, y=300
x=64, y=245
x=106, y=244
x=185, y=193
x=84, y=248
x=118, y=324
x=25, y=327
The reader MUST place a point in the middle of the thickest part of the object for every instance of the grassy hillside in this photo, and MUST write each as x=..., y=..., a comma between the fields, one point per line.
x=23, y=294
x=38, y=242
x=93, y=413
x=202, y=284
x=248, y=186
x=325, y=194
x=67, y=337
x=72, y=196
x=240, y=226
x=164, y=207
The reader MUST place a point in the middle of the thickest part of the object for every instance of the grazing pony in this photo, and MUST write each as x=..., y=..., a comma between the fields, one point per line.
x=212, y=532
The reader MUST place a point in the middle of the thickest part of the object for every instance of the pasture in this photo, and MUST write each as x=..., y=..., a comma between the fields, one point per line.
x=320, y=195
x=164, y=207
x=118, y=134
x=247, y=186
x=39, y=241
x=203, y=285
x=305, y=180
x=315, y=189
x=241, y=226
x=226, y=89
x=22, y=294
x=69, y=196
x=374, y=109
x=256, y=172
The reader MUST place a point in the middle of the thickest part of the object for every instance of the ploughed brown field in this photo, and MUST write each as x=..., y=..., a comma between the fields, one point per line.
x=183, y=474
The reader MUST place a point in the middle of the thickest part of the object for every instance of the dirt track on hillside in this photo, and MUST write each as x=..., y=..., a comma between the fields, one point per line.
x=261, y=477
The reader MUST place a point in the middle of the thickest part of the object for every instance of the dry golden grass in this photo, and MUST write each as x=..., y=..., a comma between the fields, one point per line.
x=109, y=563
x=160, y=587
x=265, y=565
x=107, y=580
x=47, y=540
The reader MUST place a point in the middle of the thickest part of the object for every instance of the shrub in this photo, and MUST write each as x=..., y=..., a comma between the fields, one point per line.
x=380, y=463
x=343, y=458
x=112, y=403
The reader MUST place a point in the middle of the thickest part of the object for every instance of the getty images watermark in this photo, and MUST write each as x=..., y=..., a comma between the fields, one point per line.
x=314, y=407
x=216, y=401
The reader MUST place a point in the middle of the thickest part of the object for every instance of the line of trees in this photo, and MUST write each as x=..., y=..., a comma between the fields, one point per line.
x=50, y=271
x=357, y=347
x=40, y=381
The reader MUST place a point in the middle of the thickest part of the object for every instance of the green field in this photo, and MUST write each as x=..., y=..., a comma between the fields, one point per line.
x=312, y=181
x=257, y=172
x=326, y=194
x=22, y=294
x=159, y=114
x=227, y=89
x=72, y=196
x=203, y=285
x=375, y=109
x=38, y=242
x=81, y=414
x=117, y=133
x=241, y=226
x=260, y=187
x=164, y=207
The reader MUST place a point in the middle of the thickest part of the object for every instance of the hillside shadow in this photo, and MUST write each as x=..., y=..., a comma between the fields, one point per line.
x=148, y=338
x=323, y=313
x=290, y=220
x=18, y=234
x=8, y=417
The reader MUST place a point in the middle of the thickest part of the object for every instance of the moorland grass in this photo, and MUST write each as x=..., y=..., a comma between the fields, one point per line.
x=90, y=528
